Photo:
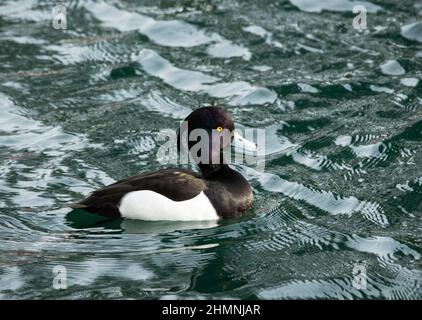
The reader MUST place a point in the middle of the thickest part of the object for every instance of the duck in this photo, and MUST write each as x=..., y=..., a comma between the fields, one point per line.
x=179, y=194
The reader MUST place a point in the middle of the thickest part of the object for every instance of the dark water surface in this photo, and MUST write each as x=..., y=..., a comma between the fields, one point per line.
x=342, y=187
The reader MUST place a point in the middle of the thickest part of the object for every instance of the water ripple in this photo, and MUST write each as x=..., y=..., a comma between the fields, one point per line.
x=237, y=93
x=324, y=200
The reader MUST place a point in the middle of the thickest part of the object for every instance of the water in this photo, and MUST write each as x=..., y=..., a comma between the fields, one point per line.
x=342, y=109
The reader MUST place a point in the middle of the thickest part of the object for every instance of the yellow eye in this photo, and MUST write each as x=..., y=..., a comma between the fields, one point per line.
x=219, y=129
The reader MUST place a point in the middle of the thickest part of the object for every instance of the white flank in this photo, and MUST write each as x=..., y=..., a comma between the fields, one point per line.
x=151, y=206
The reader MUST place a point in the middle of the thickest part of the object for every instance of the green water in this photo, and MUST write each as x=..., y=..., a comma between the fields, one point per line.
x=342, y=109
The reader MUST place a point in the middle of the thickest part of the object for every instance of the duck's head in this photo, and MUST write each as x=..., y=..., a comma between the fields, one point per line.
x=206, y=132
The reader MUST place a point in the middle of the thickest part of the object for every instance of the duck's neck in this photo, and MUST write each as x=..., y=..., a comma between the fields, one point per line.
x=212, y=170
x=209, y=170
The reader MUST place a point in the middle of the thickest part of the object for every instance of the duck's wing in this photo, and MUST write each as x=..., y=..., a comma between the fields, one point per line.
x=175, y=184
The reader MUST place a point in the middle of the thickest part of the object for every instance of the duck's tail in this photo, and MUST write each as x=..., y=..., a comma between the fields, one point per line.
x=107, y=209
x=77, y=205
